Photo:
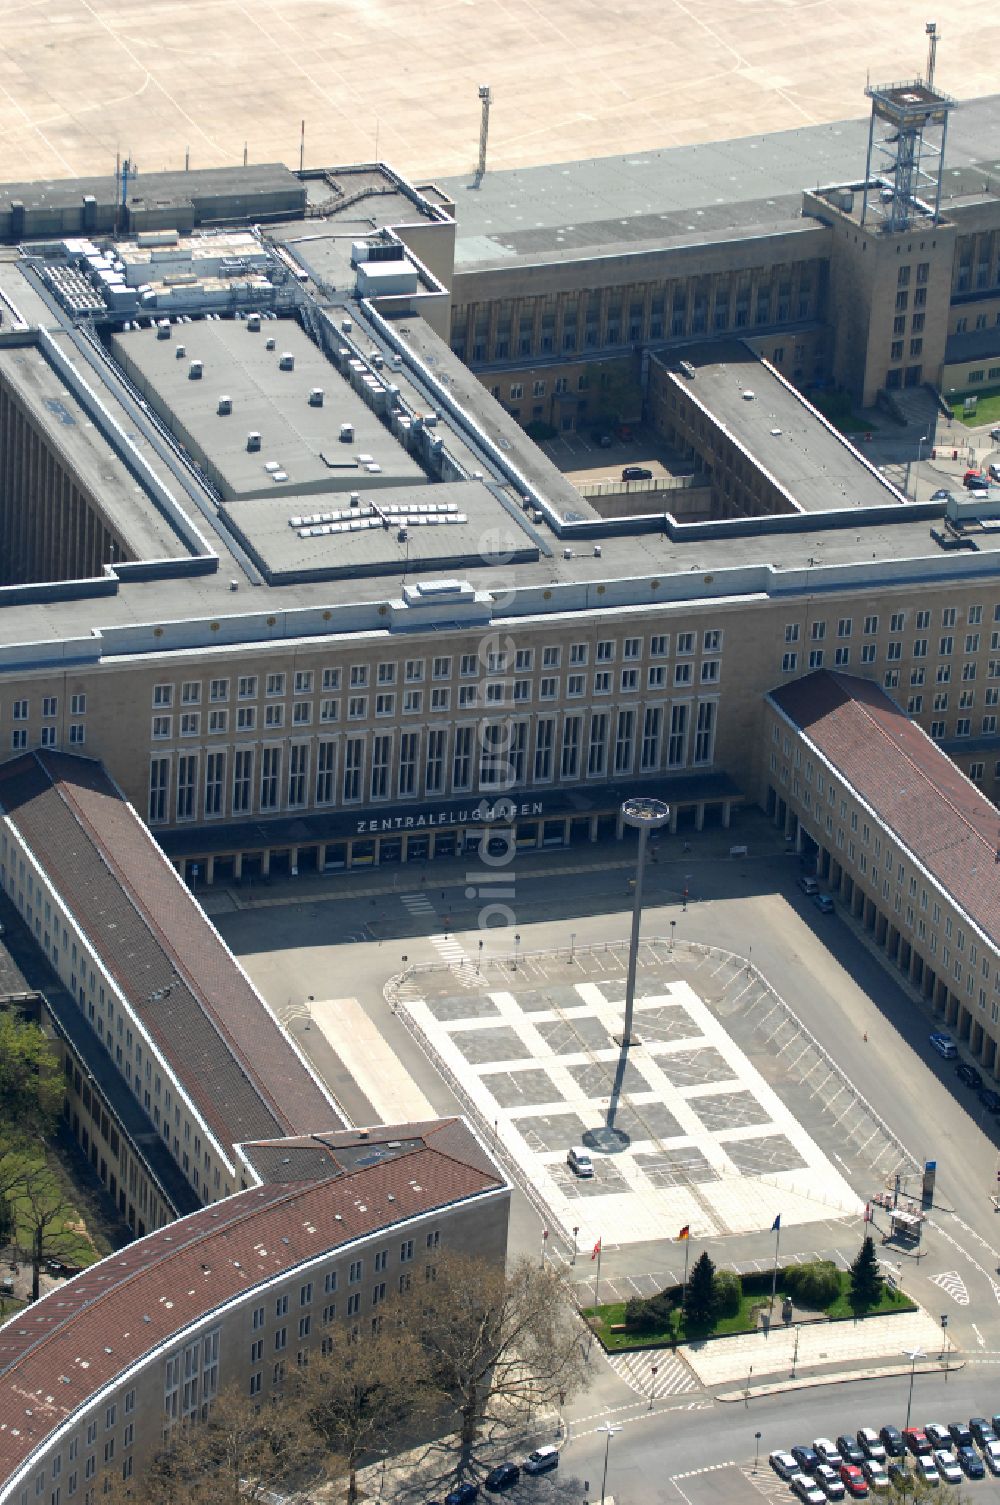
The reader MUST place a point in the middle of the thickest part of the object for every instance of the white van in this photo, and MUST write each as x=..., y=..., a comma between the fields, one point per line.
x=541, y=1461
x=579, y=1161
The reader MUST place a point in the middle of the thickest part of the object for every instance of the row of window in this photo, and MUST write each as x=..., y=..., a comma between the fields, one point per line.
x=20, y=709
x=413, y=671
x=492, y=756
x=973, y=616
x=411, y=702
x=60, y=1482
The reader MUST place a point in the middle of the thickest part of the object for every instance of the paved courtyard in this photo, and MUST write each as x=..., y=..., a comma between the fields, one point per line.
x=710, y=1144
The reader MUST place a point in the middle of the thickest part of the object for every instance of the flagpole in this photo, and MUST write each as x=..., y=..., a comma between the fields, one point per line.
x=774, y=1278
x=597, y=1278
x=687, y=1255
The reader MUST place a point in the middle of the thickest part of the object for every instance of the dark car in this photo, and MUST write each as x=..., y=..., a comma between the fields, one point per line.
x=848, y=1448
x=975, y=480
x=989, y=1099
x=806, y=1458
x=970, y=1462
x=980, y=1429
x=960, y=1434
x=463, y=1495
x=969, y=1075
x=899, y=1474
x=502, y=1477
x=938, y=1433
x=917, y=1442
x=893, y=1439
x=824, y=903
x=636, y=473
x=994, y=1425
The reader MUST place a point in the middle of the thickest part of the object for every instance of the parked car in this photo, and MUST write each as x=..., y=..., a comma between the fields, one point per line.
x=927, y=1469
x=783, y=1463
x=989, y=1099
x=892, y=1437
x=830, y=1482
x=871, y=1444
x=805, y=1490
x=827, y=1452
x=806, y=1458
x=970, y=1462
x=995, y=1425
x=543, y=1460
x=975, y=480
x=504, y=1476
x=968, y=1074
x=944, y=1045
x=941, y=495
x=991, y=1456
x=960, y=1434
x=947, y=1466
x=993, y=471
x=875, y=1473
x=464, y=1494
x=980, y=1429
x=637, y=473
x=900, y=1474
x=938, y=1434
x=579, y=1161
x=824, y=903
x=917, y=1441
x=854, y=1480
x=849, y=1449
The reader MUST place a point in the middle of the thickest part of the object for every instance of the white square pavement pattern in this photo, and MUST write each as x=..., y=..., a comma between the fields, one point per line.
x=724, y=1193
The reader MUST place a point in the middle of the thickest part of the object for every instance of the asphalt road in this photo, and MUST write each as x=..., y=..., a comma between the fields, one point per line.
x=840, y=990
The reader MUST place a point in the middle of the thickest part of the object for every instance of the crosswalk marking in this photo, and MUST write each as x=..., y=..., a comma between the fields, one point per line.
x=951, y=1282
x=417, y=903
x=672, y=1375
x=448, y=947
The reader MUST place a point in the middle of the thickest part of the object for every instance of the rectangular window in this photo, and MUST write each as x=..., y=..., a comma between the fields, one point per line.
x=597, y=752
x=704, y=739
x=544, y=734
x=270, y=776
x=409, y=747
x=434, y=770
x=187, y=780
x=215, y=778
x=242, y=781
x=298, y=773
x=354, y=758
x=624, y=741
x=326, y=772
x=159, y=787
x=461, y=770
x=651, y=728
x=677, y=742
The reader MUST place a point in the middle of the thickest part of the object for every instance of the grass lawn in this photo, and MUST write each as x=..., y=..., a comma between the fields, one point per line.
x=987, y=409
x=66, y=1237
x=836, y=406
x=744, y=1321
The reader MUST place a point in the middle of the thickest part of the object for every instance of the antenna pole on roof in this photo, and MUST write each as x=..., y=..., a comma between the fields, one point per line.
x=486, y=99
x=302, y=147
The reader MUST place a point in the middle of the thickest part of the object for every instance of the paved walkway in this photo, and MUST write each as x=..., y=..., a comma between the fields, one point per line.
x=846, y=1344
x=372, y=1063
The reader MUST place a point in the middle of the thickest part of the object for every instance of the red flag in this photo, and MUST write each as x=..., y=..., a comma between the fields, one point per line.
x=597, y=1249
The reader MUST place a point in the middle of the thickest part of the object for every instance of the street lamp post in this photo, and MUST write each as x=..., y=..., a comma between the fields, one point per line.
x=644, y=815
x=517, y=942
x=913, y=1354
x=795, y=1353
x=610, y=1430
x=479, y=963
x=576, y=1231
x=944, y=1343
x=756, y=1450
x=673, y=930
x=920, y=454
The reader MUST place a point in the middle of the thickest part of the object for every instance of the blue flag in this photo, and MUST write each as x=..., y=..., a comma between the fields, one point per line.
x=776, y=1224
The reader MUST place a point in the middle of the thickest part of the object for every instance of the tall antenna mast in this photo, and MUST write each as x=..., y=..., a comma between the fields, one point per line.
x=486, y=97
x=932, y=41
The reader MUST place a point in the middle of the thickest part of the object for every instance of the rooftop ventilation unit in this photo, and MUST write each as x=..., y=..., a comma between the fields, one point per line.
x=225, y=405
x=346, y=325
x=346, y=433
x=253, y=442
x=688, y=369
x=163, y=329
x=316, y=397
x=253, y=323
x=749, y=396
x=195, y=370
x=286, y=361
x=355, y=498
x=271, y=343
x=180, y=352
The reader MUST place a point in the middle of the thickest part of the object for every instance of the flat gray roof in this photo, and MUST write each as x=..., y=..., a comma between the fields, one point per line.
x=718, y=186
x=302, y=441
x=810, y=459
x=72, y=434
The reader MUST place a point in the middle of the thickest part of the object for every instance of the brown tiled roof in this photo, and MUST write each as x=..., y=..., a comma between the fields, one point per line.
x=82, y=1336
x=929, y=806
x=338, y=1152
x=229, y=1052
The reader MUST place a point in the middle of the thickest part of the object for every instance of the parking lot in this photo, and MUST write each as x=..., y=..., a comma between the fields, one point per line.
x=581, y=457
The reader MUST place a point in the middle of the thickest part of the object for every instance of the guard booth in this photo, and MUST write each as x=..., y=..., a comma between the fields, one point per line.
x=905, y=1226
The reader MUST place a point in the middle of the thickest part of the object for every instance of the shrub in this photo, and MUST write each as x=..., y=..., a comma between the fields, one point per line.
x=538, y=430
x=728, y=1293
x=649, y=1314
x=815, y=1284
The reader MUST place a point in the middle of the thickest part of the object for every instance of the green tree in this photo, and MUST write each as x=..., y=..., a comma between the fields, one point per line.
x=30, y=1081
x=866, y=1281
x=727, y=1293
x=43, y=1218
x=815, y=1283
x=699, y=1298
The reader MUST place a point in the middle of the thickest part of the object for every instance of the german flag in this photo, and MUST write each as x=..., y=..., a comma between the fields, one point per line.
x=684, y=1233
